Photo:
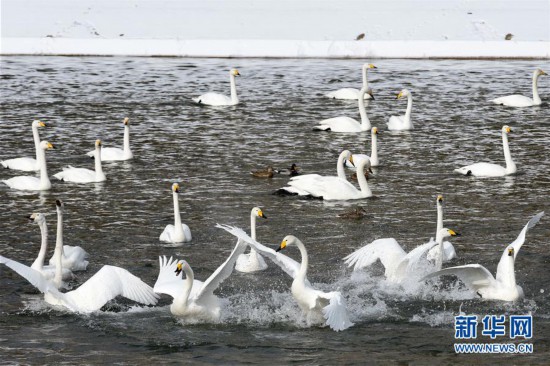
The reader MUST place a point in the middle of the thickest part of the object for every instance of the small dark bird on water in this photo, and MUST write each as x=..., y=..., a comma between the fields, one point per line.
x=266, y=173
x=508, y=36
x=355, y=213
x=360, y=37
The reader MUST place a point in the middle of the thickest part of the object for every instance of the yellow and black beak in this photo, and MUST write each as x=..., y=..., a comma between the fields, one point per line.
x=282, y=246
x=351, y=160
x=439, y=198
x=261, y=214
x=41, y=124
x=543, y=73
x=510, y=252
x=453, y=233
x=399, y=95
x=179, y=268
x=126, y=121
x=176, y=188
x=50, y=146
x=508, y=129
x=371, y=66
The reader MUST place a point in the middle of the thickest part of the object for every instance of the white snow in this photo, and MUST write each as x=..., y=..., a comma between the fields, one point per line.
x=277, y=28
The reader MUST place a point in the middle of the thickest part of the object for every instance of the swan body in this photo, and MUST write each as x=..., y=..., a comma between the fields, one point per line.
x=47, y=271
x=402, y=123
x=252, y=262
x=73, y=258
x=334, y=188
x=399, y=265
x=82, y=175
x=352, y=93
x=347, y=124
x=115, y=153
x=493, y=170
x=480, y=280
x=449, y=252
x=192, y=298
x=520, y=100
x=328, y=307
x=177, y=233
x=24, y=183
x=374, y=161
x=27, y=164
x=215, y=99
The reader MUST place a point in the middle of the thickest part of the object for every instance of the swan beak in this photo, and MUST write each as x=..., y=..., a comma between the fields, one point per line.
x=30, y=217
x=453, y=233
x=126, y=121
x=375, y=130
x=261, y=214
x=351, y=160
x=508, y=130
x=41, y=124
x=543, y=73
x=369, y=92
x=399, y=95
x=371, y=66
x=58, y=203
x=50, y=146
x=282, y=246
x=370, y=170
x=176, y=188
x=440, y=198
x=179, y=268
x=510, y=252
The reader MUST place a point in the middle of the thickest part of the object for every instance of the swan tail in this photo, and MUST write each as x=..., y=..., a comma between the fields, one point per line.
x=336, y=312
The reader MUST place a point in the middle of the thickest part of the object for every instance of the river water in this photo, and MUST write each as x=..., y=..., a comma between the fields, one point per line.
x=210, y=152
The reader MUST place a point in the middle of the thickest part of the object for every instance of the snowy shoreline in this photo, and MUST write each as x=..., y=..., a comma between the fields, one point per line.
x=275, y=48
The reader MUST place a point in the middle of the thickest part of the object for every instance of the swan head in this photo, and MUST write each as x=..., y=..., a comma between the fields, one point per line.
x=288, y=240
x=445, y=233
x=234, y=72
x=176, y=188
x=37, y=123
x=126, y=121
x=39, y=218
x=97, y=143
x=180, y=267
x=403, y=93
x=439, y=198
x=511, y=252
x=369, y=66
x=540, y=72
x=346, y=155
x=59, y=204
x=46, y=145
x=365, y=163
x=506, y=129
x=374, y=131
x=256, y=211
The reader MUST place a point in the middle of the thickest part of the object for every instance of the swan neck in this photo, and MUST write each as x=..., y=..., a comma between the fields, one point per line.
x=409, y=108
x=59, y=236
x=303, y=265
x=252, y=231
x=58, y=252
x=36, y=138
x=187, y=285
x=38, y=263
x=44, y=179
x=363, y=184
x=98, y=167
x=510, y=165
x=439, y=217
x=365, y=79
x=536, y=97
x=234, y=98
x=177, y=217
x=506, y=271
x=126, y=139
x=439, y=260
x=340, y=167
x=365, y=122
x=374, y=149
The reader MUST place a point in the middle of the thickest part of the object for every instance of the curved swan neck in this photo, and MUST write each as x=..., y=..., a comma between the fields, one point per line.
x=187, y=286
x=536, y=98
x=340, y=167
x=363, y=184
x=303, y=265
x=365, y=122
x=374, y=148
x=510, y=165
x=234, y=98
x=439, y=217
x=409, y=108
x=38, y=263
x=126, y=139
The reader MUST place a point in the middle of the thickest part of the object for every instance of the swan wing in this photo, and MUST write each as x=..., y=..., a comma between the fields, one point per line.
x=109, y=154
x=483, y=170
x=339, y=124
x=167, y=281
x=287, y=264
x=515, y=101
x=223, y=271
x=330, y=188
x=213, y=99
x=108, y=283
x=34, y=277
x=475, y=276
x=23, y=183
x=387, y=250
x=416, y=259
x=24, y=164
x=516, y=245
x=335, y=310
x=76, y=175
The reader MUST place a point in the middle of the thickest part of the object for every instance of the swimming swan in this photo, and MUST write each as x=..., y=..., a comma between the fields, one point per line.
x=38, y=264
x=347, y=124
x=328, y=307
x=449, y=252
x=177, y=233
x=520, y=100
x=24, y=183
x=73, y=258
x=399, y=265
x=401, y=123
x=192, y=298
x=480, y=280
x=27, y=164
x=493, y=170
x=252, y=262
x=82, y=175
x=352, y=93
x=333, y=188
x=115, y=153
x=215, y=99
x=373, y=152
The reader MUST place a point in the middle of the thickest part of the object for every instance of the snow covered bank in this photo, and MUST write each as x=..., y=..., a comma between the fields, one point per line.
x=277, y=28
x=274, y=48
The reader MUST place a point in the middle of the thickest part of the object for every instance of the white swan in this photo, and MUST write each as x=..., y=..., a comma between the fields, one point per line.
x=83, y=175
x=399, y=265
x=347, y=124
x=520, y=100
x=192, y=298
x=327, y=307
x=352, y=93
x=333, y=188
x=449, y=252
x=73, y=258
x=38, y=264
x=493, y=170
x=24, y=183
x=215, y=99
x=177, y=233
x=115, y=153
x=401, y=123
x=27, y=164
x=374, y=161
x=480, y=280
x=108, y=283
x=252, y=262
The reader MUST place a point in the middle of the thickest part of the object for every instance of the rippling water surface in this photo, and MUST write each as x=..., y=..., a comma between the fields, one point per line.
x=210, y=151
